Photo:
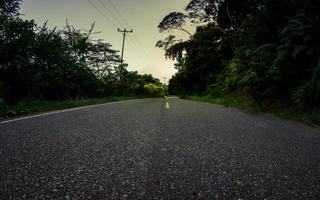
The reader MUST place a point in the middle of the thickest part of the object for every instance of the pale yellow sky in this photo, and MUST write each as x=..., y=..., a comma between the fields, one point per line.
x=142, y=15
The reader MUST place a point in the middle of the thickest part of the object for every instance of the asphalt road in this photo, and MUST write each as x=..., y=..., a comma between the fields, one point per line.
x=148, y=149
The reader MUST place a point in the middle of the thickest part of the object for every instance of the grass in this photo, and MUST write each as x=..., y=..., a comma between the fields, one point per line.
x=244, y=103
x=32, y=107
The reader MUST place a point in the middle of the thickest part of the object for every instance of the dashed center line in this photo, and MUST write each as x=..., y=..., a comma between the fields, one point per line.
x=167, y=105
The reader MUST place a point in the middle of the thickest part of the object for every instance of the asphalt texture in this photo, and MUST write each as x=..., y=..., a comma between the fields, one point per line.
x=145, y=149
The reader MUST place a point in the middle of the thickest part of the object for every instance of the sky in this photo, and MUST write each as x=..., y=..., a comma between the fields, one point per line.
x=142, y=15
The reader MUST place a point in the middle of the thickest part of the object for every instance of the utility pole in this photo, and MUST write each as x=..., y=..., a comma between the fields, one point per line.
x=124, y=33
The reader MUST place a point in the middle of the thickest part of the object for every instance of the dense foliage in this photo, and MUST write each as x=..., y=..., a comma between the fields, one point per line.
x=38, y=63
x=268, y=50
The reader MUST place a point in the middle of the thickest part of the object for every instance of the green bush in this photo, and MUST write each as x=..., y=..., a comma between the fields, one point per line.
x=154, y=90
x=308, y=95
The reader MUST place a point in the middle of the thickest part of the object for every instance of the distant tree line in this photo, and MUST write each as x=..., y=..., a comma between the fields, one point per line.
x=40, y=63
x=265, y=49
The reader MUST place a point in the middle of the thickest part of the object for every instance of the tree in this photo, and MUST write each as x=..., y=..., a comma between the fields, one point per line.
x=203, y=10
x=102, y=59
x=167, y=42
x=261, y=48
x=10, y=8
x=174, y=21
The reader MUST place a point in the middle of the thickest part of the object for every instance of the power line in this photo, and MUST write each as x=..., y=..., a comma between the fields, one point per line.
x=137, y=49
x=119, y=13
x=140, y=49
x=109, y=11
x=140, y=46
x=125, y=21
x=132, y=48
x=108, y=18
x=102, y=13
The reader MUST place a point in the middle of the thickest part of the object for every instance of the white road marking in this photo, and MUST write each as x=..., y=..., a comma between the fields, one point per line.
x=62, y=111
x=167, y=105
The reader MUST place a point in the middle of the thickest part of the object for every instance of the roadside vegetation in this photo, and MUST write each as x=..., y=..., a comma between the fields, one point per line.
x=31, y=107
x=244, y=103
x=265, y=51
x=43, y=69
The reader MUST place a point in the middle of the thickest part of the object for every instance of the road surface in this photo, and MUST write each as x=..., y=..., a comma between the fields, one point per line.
x=151, y=149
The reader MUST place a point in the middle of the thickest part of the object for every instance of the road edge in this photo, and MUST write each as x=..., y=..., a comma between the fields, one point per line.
x=267, y=115
x=37, y=115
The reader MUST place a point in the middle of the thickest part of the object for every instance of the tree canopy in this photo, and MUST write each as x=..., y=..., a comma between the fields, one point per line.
x=40, y=63
x=10, y=7
x=268, y=50
x=174, y=20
